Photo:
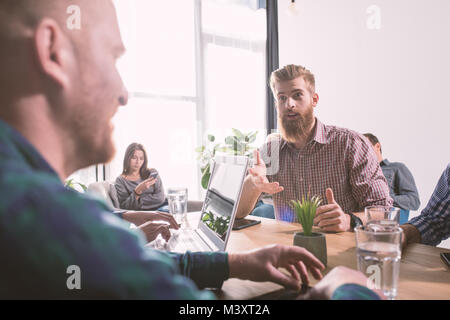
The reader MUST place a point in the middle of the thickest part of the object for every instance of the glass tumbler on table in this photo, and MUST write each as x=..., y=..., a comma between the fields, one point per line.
x=178, y=198
x=378, y=251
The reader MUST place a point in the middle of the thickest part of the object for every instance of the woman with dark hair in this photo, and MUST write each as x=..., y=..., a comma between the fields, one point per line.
x=138, y=187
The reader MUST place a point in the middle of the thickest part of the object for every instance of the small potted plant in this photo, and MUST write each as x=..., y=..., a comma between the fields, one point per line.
x=314, y=242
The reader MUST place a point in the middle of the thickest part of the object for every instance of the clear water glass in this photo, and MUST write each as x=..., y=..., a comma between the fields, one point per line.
x=378, y=253
x=376, y=213
x=178, y=198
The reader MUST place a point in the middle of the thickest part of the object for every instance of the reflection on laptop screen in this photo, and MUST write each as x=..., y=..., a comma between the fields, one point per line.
x=222, y=194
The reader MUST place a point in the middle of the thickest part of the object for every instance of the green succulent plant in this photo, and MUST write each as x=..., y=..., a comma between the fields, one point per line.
x=306, y=211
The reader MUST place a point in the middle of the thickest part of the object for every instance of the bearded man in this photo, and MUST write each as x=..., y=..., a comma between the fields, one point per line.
x=310, y=158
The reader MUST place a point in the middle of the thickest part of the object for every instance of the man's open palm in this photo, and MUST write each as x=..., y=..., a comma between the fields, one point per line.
x=259, y=178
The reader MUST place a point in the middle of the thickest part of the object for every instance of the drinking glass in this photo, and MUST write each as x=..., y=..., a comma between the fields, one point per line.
x=376, y=213
x=378, y=253
x=178, y=198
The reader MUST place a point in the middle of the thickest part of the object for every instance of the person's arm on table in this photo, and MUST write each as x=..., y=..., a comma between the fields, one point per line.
x=343, y=283
x=433, y=224
x=368, y=184
x=255, y=184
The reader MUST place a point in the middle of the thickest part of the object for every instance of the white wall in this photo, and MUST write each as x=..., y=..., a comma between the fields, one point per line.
x=392, y=82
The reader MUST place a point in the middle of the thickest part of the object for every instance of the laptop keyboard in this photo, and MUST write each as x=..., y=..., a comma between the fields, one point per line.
x=181, y=241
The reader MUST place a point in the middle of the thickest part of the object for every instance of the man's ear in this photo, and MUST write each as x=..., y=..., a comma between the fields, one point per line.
x=52, y=51
x=315, y=99
x=378, y=147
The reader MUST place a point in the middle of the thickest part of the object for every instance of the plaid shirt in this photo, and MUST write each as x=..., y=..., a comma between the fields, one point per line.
x=45, y=228
x=335, y=158
x=434, y=221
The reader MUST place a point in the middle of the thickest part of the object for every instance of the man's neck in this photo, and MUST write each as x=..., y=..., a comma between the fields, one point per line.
x=46, y=137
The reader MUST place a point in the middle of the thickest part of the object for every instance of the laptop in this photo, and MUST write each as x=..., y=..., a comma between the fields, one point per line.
x=218, y=212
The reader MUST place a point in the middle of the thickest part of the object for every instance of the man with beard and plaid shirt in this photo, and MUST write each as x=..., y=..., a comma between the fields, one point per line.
x=311, y=158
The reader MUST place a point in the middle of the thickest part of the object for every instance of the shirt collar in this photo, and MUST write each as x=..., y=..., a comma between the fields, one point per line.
x=320, y=134
x=13, y=143
x=385, y=162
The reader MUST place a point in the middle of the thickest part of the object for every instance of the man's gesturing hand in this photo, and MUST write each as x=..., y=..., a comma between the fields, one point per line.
x=258, y=176
x=331, y=217
x=262, y=265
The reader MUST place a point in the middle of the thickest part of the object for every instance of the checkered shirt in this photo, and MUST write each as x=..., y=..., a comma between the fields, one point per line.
x=335, y=158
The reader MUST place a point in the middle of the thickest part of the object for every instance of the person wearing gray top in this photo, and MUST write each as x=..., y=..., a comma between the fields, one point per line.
x=138, y=187
x=402, y=187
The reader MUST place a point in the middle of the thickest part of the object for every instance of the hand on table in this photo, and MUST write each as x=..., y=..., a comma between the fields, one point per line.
x=262, y=265
x=153, y=229
x=325, y=288
x=140, y=217
x=331, y=217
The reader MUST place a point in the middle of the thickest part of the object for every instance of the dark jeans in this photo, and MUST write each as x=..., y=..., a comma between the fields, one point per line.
x=263, y=210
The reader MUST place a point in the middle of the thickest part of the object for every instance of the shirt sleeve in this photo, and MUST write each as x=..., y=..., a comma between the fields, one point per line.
x=352, y=291
x=126, y=199
x=406, y=195
x=73, y=230
x=206, y=269
x=369, y=186
x=434, y=221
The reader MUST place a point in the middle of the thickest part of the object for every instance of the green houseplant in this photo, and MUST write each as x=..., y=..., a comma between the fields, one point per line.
x=238, y=143
x=217, y=223
x=71, y=183
x=314, y=242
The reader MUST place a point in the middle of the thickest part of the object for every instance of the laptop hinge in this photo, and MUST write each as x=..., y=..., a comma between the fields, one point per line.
x=205, y=239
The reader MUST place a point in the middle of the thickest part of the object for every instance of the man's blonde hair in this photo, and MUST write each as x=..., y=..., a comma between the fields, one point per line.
x=291, y=72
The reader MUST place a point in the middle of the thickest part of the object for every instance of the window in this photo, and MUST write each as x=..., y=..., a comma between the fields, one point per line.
x=192, y=67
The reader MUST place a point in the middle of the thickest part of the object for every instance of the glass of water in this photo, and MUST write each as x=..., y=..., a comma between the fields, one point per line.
x=378, y=253
x=376, y=213
x=178, y=198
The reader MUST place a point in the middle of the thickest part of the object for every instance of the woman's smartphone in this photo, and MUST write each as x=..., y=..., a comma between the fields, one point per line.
x=153, y=175
x=244, y=223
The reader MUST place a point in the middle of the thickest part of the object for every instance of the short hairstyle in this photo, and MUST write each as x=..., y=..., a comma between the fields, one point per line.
x=291, y=72
x=373, y=139
x=144, y=172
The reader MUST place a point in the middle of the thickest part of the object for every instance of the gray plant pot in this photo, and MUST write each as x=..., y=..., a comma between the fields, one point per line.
x=315, y=243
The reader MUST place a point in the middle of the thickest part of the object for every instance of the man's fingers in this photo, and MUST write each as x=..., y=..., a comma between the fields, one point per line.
x=303, y=272
x=301, y=254
x=325, y=216
x=316, y=273
x=293, y=271
x=326, y=208
x=164, y=231
x=329, y=222
x=280, y=278
x=257, y=157
x=330, y=196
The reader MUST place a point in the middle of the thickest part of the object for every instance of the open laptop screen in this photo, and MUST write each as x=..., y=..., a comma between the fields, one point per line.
x=222, y=197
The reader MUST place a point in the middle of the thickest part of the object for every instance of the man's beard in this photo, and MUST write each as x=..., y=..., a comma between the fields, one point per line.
x=293, y=130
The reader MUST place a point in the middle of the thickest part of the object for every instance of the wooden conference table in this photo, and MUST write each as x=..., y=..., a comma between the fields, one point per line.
x=423, y=275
